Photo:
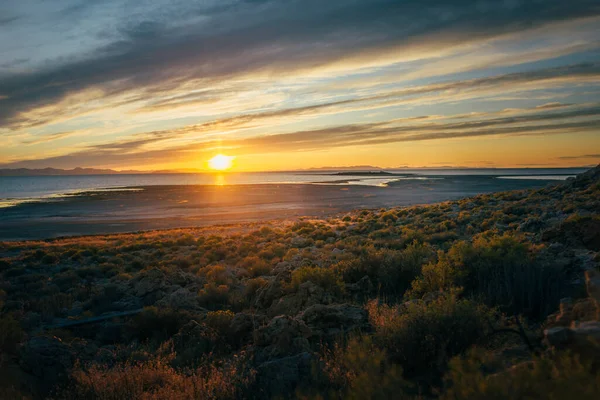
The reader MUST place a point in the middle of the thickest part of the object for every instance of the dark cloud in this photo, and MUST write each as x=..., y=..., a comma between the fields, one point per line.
x=7, y=20
x=580, y=157
x=275, y=36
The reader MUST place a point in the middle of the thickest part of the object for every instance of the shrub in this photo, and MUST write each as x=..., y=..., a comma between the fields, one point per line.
x=323, y=277
x=500, y=270
x=11, y=334
x=424, y=336
x=360, y=370
x=157, y=324
x=252, y=287
x=219, y=321
x=557, y=376
x=212, y=295
x=157, y=380
x=395, y=277
x=256, y=266
x=218, y=275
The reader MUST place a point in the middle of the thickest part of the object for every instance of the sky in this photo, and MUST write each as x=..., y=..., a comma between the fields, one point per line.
x=290, y=84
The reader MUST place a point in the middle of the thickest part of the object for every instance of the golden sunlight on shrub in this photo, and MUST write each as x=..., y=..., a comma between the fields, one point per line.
x=154, y=380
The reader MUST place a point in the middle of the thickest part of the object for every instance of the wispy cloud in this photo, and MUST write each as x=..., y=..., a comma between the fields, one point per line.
x=157, y=80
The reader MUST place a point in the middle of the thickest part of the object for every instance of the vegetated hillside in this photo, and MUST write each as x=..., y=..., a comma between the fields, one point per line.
x=458, y=300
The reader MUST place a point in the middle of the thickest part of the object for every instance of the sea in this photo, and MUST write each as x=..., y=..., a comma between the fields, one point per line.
x=15, y=190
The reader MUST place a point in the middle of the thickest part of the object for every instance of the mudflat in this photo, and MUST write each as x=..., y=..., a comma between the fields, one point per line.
x=162, y=207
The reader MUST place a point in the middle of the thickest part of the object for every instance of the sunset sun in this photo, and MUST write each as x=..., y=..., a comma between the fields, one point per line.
x=220, y=162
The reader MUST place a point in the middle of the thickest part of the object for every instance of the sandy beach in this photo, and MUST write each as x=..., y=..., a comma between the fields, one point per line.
x=161, y=207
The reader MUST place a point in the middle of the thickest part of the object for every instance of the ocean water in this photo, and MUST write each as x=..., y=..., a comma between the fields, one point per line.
x=17, y=190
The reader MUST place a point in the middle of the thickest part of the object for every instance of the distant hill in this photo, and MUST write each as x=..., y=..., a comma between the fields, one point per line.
x=351, y=168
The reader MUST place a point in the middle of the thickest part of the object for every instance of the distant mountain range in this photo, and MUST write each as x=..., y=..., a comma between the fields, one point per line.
x=58, y=172
x=365, y=169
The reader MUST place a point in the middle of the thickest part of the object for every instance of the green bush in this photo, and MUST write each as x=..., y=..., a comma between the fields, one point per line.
x=422, y=337
x=502, y=271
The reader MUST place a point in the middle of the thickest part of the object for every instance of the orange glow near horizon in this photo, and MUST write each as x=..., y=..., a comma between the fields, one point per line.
x=220, y=162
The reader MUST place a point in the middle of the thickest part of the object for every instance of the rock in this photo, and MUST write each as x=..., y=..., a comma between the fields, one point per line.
x=585, y=310
x=558, y=336
x=183, y=299
x=105, y=356
x=362, y=287
x=592, y=283
x=242, y=326
x=586, y=331
x=578, y=337
x=283, y=267
x=432, y=296
x=328, y=321
x=148, y=282
x=280, y=378
x=582, y=231
x=194, y=338
x=127, y=303
x=565, y=317
x=299, y=241
x=308, y=294
x=337, y=251
x=48, y=359
x=268, y=294
x=283, y=336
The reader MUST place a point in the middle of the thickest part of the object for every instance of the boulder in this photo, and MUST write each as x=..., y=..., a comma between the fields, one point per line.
x=329, y=321
x=308, y=294
x=242, y=326
x=48, y=359
x=558, y=336
x=182, y=298
x=592, y=283
x=565, y=316
x=363, y=287
x=266, y=295
x=195, y=338
x=148, y=282
x=283, y=336
x=299, y=241
x=281, y=377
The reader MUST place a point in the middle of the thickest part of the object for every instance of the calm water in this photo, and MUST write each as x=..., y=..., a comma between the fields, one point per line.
x=15, y=190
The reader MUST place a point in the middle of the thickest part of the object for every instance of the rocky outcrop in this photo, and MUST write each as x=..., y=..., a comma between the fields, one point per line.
x=566, y=330
x=583, y=231
x=329, y=321
x=194, y=335
x=183, y=299
x=150, y=283
x=48, y=359
x=280, y=377
x=360, y=289
x=283, y=336
x=269, y=293
x=308, y=294
x=193, y=341
x=242, y=325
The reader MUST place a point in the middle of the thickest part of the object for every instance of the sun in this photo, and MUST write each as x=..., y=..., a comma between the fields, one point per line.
x=220, y=162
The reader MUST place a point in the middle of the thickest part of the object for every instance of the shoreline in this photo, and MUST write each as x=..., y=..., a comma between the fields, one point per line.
x=149, y=208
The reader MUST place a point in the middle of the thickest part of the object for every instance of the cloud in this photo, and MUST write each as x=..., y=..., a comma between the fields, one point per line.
x=580, y=157
x=579, y=119
x=237, y=39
